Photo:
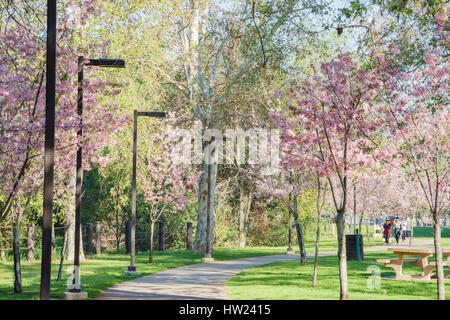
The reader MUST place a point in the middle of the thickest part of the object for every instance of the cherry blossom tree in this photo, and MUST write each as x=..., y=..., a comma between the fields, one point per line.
x=420, y=123
x=167, y=182
x=335, y=110
x=22, y=104
x=22, y=107
x=293, y=175
x=287, y=185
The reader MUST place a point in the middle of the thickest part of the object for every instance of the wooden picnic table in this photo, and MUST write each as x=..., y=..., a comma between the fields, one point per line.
x=419, y=258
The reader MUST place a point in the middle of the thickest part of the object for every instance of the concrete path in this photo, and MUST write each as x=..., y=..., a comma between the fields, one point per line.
x=202, y=281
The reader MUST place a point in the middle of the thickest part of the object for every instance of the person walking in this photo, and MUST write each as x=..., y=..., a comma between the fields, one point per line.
x=387, y=231
x=397, y=229
x=391, y=221
x=404, y=226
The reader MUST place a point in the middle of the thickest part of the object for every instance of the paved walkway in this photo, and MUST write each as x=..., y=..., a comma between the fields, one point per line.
x=199, y=281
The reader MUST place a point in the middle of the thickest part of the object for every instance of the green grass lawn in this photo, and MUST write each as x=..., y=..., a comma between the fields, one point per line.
x=288, y=280
x=102, y=271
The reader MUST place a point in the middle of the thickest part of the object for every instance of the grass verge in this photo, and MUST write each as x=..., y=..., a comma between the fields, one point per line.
x=290, y=281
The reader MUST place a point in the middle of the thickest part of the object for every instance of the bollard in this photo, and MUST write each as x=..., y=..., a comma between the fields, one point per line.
x=161, y=236
x=189, y=236
x=98, y=238
x=89, y=239
x=357, y=245
x=128, y=236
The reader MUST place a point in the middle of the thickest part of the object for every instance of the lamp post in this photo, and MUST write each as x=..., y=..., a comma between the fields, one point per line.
x=49, y=151
x=207, y=257
x=75, y=291
x=289, y=250
x=154, y=114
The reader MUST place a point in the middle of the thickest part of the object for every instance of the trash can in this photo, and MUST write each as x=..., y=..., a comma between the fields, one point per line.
x=350, y=245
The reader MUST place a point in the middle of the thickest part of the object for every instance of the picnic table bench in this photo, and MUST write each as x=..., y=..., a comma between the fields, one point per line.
x=420, y=259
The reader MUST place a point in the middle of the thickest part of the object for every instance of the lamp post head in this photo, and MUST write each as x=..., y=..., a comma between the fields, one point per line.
x=107, y=63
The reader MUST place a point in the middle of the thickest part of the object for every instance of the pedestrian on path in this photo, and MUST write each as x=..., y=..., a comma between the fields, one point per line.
x=387, y=231
x=404, y=226
x=397, y=229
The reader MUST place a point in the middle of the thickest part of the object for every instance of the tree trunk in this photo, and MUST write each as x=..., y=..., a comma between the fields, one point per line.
x=152, y=229
x=418, y=218
x=63, y=249
x=241, y=215
x=439, y=262
x=360, y=223
x=316, y=252
x=354, y=209
x=71, y=241
x=412, y=233
x=117, y=232
x=70, y=222
x=330, y=228
x=333, y=229
x=17, y=267
x=2, y=246
x=200, y=233
x=30, y=243
x=245, y=203
x=342, y=254
x=367, y=229
x=298, y=227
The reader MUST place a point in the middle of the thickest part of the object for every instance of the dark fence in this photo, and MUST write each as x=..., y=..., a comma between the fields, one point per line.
x=427, y=232
x=94, y=239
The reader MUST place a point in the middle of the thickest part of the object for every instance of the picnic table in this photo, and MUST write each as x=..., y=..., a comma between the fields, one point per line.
x=419, y=258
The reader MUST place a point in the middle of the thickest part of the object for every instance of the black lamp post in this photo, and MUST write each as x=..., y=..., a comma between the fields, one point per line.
x=49, y=151
x=154, y=114
x=289, y=250
x=112, y=63
x=207, y=257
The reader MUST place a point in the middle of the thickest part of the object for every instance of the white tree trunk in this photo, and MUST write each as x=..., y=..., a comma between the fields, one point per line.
x=199, y=245
x=70, y=222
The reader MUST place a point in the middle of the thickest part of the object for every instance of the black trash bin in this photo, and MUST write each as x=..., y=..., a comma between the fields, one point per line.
x=350, y=245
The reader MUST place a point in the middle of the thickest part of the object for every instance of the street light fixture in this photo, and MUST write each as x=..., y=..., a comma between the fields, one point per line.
x=154, y=114
x=75, y=290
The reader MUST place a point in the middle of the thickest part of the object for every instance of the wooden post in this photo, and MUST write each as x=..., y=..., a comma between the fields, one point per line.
x=161, y=237
x=189, y=236
x=89, y=239
x=98, y=238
